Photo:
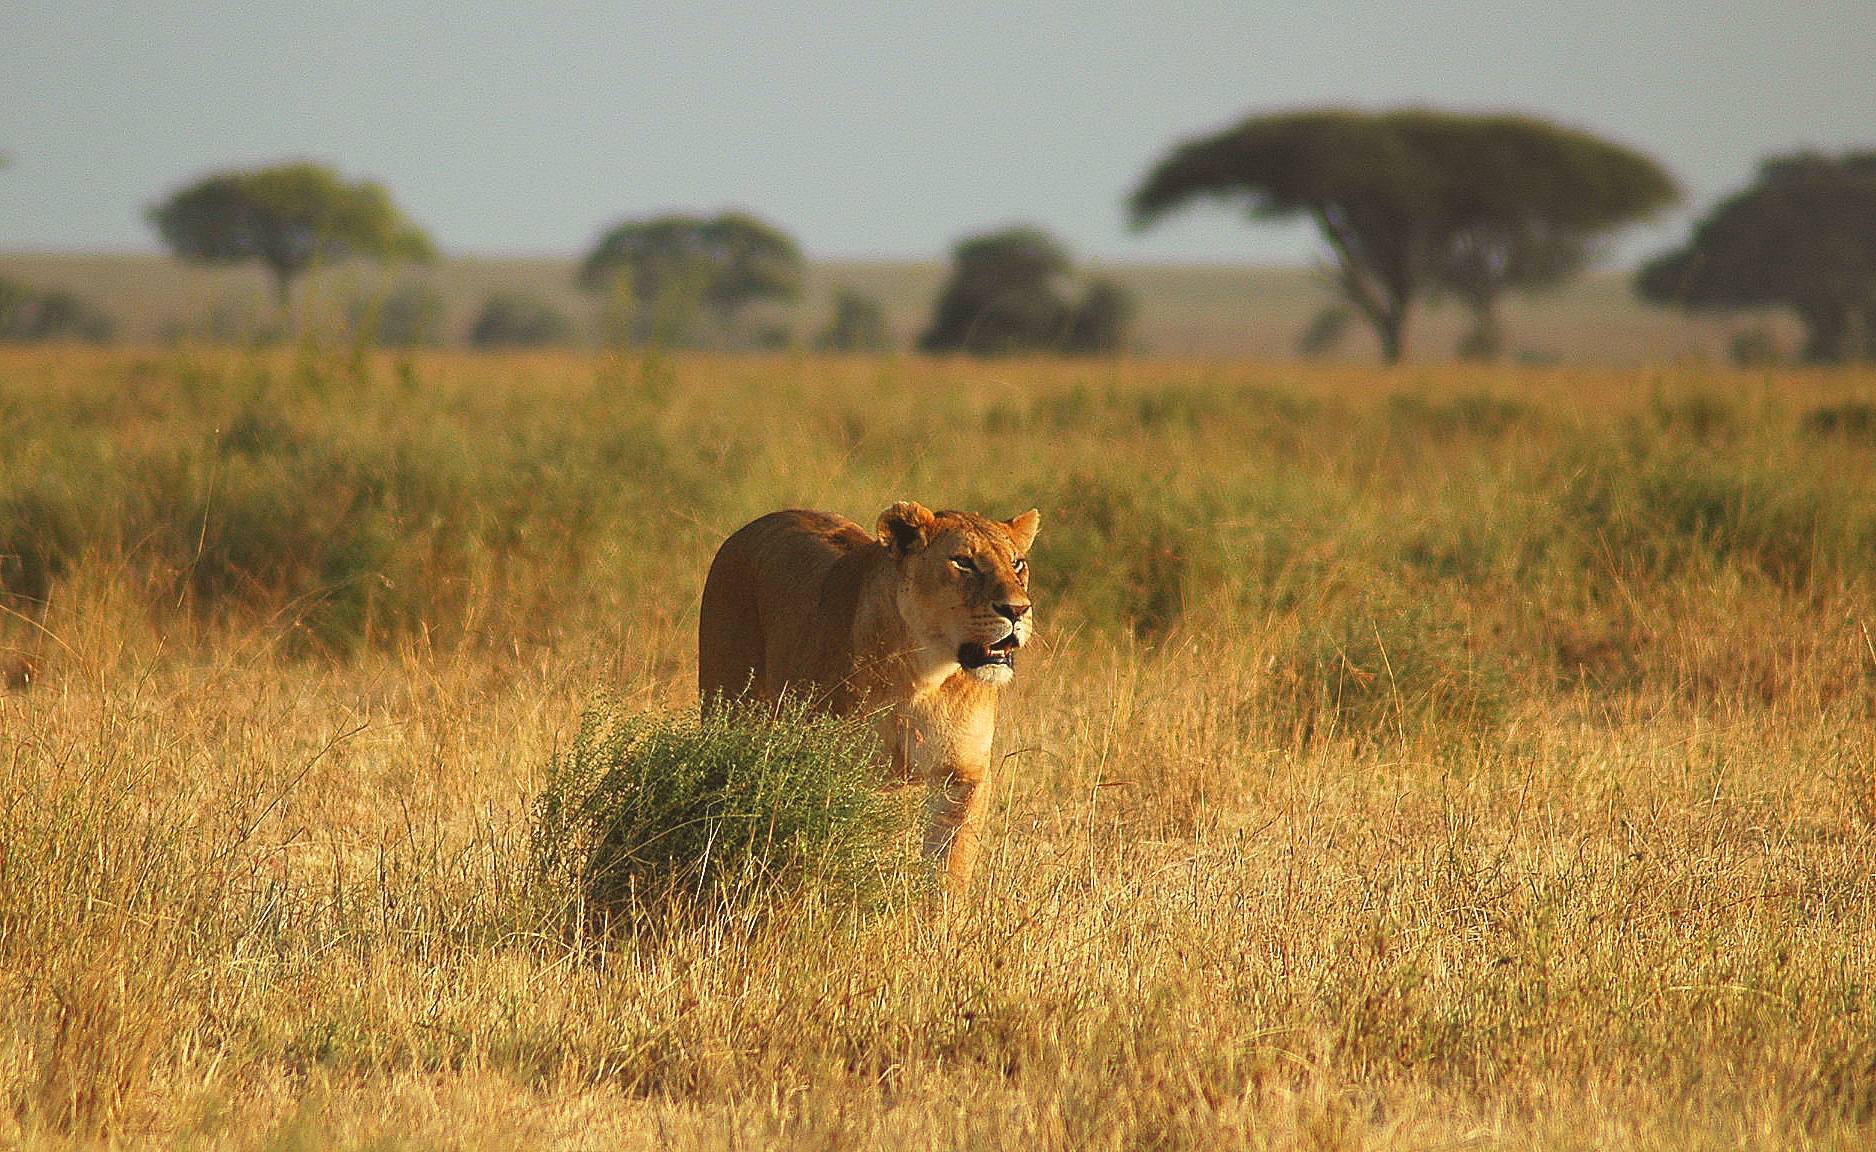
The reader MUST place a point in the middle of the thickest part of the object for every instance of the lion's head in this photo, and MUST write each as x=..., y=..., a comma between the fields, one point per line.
x=963, y=584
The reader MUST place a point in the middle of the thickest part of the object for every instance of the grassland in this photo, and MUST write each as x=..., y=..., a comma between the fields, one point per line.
x=1414, y=758
x=1221, y=311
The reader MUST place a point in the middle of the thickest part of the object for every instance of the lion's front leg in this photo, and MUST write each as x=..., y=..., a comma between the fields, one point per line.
x=954, y=827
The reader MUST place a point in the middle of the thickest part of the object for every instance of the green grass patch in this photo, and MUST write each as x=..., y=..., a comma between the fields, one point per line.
x=1127, y=552
x=654, y=815
x=1391, y=666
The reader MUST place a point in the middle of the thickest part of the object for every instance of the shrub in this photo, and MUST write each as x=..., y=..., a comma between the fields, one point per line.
x=1665, y=505
x=409, y=316
x=1484, y=341
x=304, y=536
x=517, y=320
x=660, y=813
x=1851, y=420
x=1699, y=415
x=1008, y=295
x=1754, y=347
x=239, y=318
x=14, y=298
x=1474, y=413
x=30, y=317
x=1389, y=664
x=1101, y=323
x=858, y=324
x=1126, y=553
x=41, y=525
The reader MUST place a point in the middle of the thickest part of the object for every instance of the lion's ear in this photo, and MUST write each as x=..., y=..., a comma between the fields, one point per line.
x=905, y=527
x=1023, y=528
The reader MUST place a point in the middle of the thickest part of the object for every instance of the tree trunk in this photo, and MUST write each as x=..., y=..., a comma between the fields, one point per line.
x=1381, y=293
x=1830, y=328
x=283, y=300
x=1486, y=341
x=1391, y=327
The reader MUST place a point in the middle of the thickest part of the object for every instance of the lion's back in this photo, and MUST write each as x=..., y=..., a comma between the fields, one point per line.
x=767, y=621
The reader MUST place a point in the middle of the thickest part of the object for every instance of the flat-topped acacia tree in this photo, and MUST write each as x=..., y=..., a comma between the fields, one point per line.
x=1802, y=236
x=287, y=218
x=1418, y=203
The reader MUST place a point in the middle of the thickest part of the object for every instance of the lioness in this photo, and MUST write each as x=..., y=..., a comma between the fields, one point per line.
x=917, y=624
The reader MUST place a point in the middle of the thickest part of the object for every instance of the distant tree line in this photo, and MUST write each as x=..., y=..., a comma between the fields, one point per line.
x=675, y=280
x=1414, y=206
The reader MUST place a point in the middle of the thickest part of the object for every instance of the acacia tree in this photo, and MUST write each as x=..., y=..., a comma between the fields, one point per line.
x=1803, y=236
x=288, y=218
x=1526, y=205
x=1005, y=295
x=1416, y=203
x=674, y=265
x=1009, y=292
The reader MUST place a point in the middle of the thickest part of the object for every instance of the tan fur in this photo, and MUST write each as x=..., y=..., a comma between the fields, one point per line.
x=810, y=603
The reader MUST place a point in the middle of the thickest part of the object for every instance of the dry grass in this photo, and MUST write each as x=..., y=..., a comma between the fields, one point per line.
x=1415, y=759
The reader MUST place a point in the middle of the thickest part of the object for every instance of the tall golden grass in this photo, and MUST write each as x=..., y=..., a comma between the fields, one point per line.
x=1414, y=758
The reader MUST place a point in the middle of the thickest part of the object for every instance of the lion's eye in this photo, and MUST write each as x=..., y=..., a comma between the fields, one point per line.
x=963, y=564
x=1020, y=566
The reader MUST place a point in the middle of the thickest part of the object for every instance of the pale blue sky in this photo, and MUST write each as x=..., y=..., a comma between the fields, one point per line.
x=867, y=130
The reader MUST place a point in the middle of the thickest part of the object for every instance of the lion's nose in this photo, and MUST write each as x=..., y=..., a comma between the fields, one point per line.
x=1013, y=610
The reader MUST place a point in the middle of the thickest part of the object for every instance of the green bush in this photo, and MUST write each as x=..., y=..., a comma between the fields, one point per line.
x=857, y=325
x=660, y=814
x=1102, y=323
x=299, y=536
x=1389, y=664
x=1853, y=420
x=1325, y=331
x=409, y=316
x=1701, y=416
x=41, y=526
x=1127, y=553
x=1668, y=505
x=29, y=317
x=1479, y=414
x=518, y=320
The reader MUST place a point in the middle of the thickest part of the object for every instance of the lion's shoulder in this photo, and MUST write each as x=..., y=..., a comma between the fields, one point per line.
x=781, y=600
x=794, y=548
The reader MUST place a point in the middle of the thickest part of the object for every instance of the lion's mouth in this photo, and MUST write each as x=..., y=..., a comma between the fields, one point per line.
x=973, y=655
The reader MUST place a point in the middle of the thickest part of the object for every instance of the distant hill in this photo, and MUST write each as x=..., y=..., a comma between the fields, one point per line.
x=1211, y=311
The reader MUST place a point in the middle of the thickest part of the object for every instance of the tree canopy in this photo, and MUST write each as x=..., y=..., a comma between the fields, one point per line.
x=857, y=325
x=1418, y=203
x=288, y=218
x=1009, y=292
x=672, y=266
x=1802, y=236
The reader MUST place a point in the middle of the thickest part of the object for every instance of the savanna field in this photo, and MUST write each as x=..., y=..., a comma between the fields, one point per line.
x=1410, y=758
